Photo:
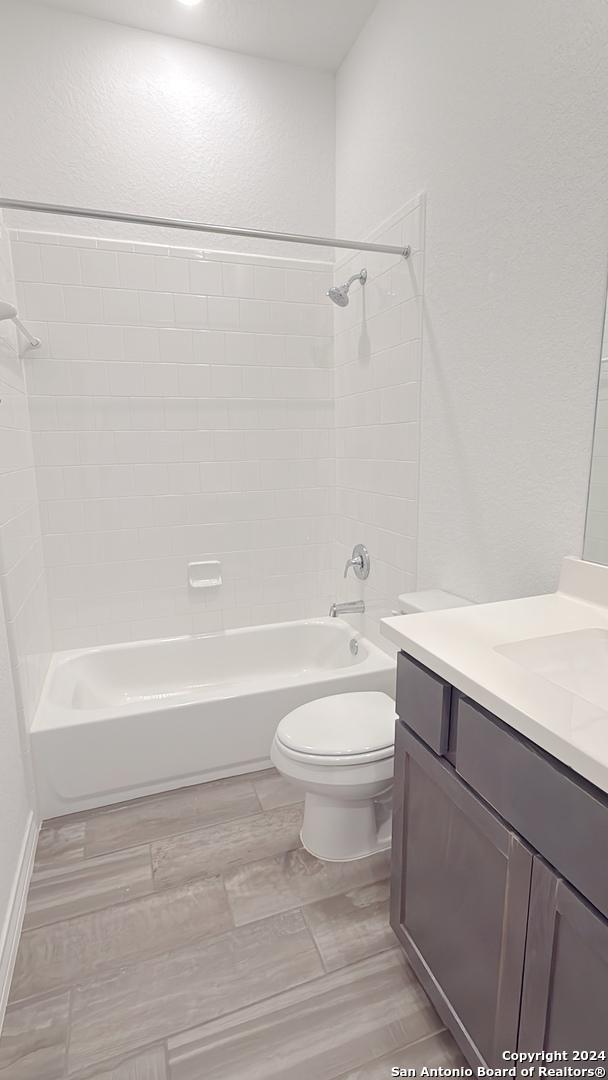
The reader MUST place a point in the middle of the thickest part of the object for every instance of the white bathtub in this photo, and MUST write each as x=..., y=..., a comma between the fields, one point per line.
x=122, y=721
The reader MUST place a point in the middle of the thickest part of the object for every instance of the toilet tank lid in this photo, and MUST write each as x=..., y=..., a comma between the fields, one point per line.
x=430, y=600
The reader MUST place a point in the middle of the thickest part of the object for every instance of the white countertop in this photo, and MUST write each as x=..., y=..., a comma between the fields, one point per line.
x=459, y=645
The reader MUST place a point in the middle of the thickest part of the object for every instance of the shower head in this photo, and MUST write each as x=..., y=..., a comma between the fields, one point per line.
x=338, y=294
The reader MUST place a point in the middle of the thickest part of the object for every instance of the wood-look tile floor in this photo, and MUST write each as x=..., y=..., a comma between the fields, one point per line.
x=189, y=936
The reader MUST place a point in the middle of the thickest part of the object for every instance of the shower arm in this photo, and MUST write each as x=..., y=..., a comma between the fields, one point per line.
x=361, y=276
x=197, y=226
x=8, y=312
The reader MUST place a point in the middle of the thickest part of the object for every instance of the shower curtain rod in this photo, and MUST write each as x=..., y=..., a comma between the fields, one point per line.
x=197, y=226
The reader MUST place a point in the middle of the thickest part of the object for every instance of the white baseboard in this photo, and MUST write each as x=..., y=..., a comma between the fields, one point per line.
x=13, y=921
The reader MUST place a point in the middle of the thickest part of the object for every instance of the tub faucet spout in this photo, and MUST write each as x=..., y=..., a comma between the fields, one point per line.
x=352, y=607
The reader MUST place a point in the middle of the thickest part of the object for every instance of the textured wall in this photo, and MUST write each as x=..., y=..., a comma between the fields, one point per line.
x=181, y=409
x=123, y=119
x=497, y=112
x=596, y=532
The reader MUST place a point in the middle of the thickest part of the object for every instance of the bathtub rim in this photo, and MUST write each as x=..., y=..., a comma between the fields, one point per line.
x=50, y=716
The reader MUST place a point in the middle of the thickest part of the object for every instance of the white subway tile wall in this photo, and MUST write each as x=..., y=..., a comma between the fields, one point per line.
x=181, y=408
x=22, y=580
x=596, y=531
x=378, y=340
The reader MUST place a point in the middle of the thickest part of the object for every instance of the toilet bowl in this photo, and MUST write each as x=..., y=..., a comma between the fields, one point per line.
x=339, y=751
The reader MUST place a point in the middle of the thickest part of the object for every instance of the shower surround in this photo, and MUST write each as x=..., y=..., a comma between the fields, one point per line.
x=378, y=345
x=185, y=405
x=181, y=408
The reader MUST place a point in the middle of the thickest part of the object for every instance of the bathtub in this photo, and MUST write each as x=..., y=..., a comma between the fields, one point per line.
x=122, y=721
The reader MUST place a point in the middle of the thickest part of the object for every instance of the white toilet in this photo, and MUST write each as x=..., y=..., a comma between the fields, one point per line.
x=339, y=750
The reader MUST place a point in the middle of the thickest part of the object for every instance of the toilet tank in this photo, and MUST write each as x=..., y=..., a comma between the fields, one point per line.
x=430, y=600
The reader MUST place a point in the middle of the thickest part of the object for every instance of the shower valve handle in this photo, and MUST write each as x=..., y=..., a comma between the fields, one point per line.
x=359, y=561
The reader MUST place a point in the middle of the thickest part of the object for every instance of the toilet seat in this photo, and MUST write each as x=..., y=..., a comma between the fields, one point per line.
x=343, y=729
x=337, y=761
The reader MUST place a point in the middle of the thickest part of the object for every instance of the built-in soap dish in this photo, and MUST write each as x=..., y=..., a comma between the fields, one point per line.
x=205, y=574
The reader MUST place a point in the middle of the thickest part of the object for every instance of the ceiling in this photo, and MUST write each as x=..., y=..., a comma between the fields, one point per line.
x=316, y=33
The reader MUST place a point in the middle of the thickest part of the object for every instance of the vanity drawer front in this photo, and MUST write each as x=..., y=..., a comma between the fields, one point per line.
x=557, y=813
x=423, y=703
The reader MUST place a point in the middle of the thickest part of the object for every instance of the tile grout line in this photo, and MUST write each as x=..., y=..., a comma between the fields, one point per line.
x=171, y=836
x=397, y=1051
x=92, y=1071
x=115, y=966
x=168, y=888
x=258, y=1001
x=119, y=963
x=116, y=903
x=424, y=1038
x=314, y=940
x=278, y=994
x=69, y=1032
x=228, y=904
x=94, y=812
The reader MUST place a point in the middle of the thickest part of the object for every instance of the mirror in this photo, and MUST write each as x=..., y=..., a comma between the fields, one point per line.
x=596, y=528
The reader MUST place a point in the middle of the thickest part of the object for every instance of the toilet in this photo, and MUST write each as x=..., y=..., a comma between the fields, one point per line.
x=339, y=750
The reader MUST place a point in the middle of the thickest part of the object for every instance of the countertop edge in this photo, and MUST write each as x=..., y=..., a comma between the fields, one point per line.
x=551, y=742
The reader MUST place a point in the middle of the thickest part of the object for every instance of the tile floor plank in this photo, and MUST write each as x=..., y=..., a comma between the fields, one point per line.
x=435, y=1051
x=274, y=790
x=34, y=1040
x=60, y=842
x=218, y=847
x=318, y=1030
x=149, y=1065
x=294, y=878
x=65, y=953
x=115, y=962
x=351, y=926
x=83, y=885
x=178, y=990
x=168, y=814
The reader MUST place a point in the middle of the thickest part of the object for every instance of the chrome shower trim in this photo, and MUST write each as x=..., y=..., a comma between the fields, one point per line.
x=338, y=294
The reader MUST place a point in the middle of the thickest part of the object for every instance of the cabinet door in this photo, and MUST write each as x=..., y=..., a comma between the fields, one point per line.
x=459, y=900
x=565, y=994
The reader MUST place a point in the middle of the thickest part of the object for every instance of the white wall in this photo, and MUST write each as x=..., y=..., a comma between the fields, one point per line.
x=102, y=115
x=18, y=823
x=22, y=580
x=19, y=671
x=596, y=530
x=498, y=112
x=181, y=409
x=377, y=391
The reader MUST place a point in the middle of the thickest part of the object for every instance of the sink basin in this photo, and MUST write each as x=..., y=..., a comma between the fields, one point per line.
x=577, y=661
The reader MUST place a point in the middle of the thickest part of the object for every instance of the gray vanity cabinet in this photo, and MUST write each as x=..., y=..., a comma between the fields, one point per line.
x=499, y=890
x=565, y=990
x=460, y=893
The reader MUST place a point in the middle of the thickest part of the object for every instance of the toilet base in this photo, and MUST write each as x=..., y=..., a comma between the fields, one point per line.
x=338, y=831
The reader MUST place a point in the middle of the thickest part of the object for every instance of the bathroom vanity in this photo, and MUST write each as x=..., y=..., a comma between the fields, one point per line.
x=500, y=840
